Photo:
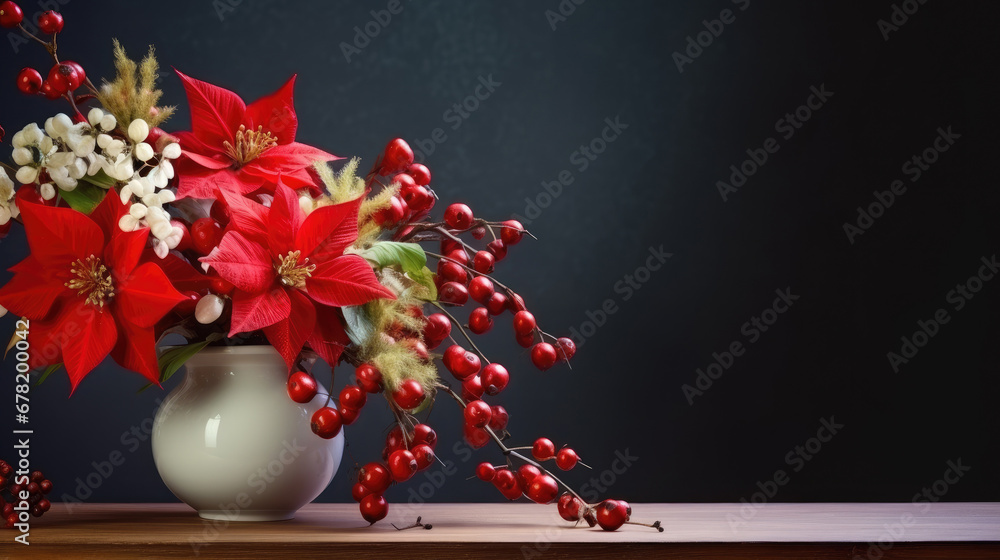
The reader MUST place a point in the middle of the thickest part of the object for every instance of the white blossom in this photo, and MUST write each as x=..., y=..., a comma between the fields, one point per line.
x=138, y=130
x=209, y=309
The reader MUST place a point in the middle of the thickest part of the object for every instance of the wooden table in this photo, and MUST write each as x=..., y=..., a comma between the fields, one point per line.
x=844, y=531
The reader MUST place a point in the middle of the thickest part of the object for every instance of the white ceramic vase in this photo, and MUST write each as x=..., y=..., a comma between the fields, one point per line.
x=229, y=442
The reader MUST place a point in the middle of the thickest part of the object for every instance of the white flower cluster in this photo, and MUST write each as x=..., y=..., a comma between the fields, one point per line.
x=8, y=209
x=67, y=152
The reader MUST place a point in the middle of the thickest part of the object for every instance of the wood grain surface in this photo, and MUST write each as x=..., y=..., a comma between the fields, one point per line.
x=109, y=531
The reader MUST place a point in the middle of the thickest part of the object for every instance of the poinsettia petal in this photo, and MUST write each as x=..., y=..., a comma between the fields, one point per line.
x=31, y=295
x=136, y=350
x=58, y=237
x=290, y=334
x=216, y=112
x=305, y=178
x=108, y=213
x=46, y=340
x=208, y=162
x=286, y=158
x=124, y=251
x=198, y=182
x=182, y=275
x=329, y=337
x=245, y=216
x=283, y=220
x=242, y=262
x=146, y=296
x=276, y=113
x=253, y=312
x=95, y=338
x=346, y=280
x=328, y=230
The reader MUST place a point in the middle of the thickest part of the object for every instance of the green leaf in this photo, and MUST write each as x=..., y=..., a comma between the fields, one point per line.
x=172, y=359
x=84, y=198
x=100, y=179
x=409, y=257
x=48, y=371
x=425, y=278
x=359, y=325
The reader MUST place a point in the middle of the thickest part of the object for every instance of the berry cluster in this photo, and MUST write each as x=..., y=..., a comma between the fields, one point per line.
x=464, y=275
x=32, y=489
x=65, y=77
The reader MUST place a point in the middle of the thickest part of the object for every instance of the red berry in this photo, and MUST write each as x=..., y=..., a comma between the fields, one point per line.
x=369, y=378
x=516, y=303
x=479, y=232
x=460, y=256
x=392, y=214
x=497, y=303
x=221, y=286
x=64, y=78
x=402, y=465
x=499, y=418
x=418, y=347
x=472, y=388
x=566, y=459
x=526, y=474
x=475, y=437
x=542, y=490
x=374, y=508
x=326, y=422
x=398, y=156
x=420, y=174
x=565, y=348
x=83, y=77
x=206, y=234
x=505, y=479
x=612, y=514
x=524, y=323
x=50, y=22
x=498, y=249
x=394, y=439
x=409, y=395
x=45, y=486
x=477, y=413
x=220, y=212
x=525, y=341
x=404, y=181
x=422, y=433
x=495, y=378
x=543, y=355
x=349, y=415
x=543, y=449
x=417, y=198
x=481, y=289
x=448, y=245
x=50, y=92
x=375, y=477
x=570, y=507
x=424, y=455
x=302, y=387
x=10, y=14
x=452, y=272
x=486, y=472
x=359, y=491
x=511, y=233
x=458, y=216
x=480, y=321
x=453, y=293
x=437, y=329
x=353, y=396
x=483, y=262
x=461, y=363
x=29, y=81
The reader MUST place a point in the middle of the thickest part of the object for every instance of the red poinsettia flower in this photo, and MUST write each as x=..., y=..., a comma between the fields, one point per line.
x=241, y=148
x=290, y=273
x=86, y=292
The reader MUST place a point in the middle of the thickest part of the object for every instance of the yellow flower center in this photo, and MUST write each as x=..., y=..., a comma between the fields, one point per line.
x=93, y=280
x=249, y=145
x=292, y=273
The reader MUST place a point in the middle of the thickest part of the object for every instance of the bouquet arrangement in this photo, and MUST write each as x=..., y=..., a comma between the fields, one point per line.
x=234, y=233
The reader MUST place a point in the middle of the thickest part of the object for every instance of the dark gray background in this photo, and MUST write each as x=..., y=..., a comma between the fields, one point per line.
x=654, y=186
